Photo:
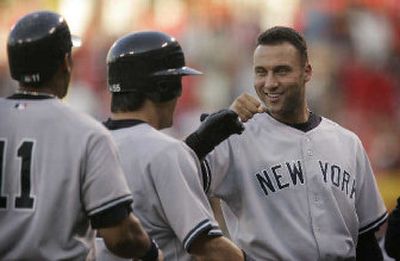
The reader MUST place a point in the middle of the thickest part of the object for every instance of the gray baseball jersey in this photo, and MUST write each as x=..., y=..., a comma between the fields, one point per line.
x=57, y=169
x=164, y=176
x=294, y=195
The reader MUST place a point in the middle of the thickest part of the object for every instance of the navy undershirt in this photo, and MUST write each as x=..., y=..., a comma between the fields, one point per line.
x=20, y=96
x=119, y=124
x=312, y=122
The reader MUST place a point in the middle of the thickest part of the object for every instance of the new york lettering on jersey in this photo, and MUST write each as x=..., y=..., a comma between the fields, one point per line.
x=284, y=175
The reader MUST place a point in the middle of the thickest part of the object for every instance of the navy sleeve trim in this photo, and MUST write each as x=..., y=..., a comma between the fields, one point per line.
x=111, y=216
x=205, y=170
x=126, y=198
x=203, y=226
x=374, y=225
x=215, y=231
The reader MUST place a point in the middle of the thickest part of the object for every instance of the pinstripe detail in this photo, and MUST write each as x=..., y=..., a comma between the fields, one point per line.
x=374, y=224
x=196, y=231
x=110, y=204
x=205, y=169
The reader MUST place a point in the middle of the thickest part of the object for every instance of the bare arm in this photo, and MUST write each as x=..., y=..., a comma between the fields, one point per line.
x=128, y=239
x=219, y=216
x=246, y=106
x=215, y=248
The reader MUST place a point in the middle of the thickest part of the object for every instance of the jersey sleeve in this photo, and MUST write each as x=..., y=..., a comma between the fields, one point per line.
x=103, y=183
x=370, y=207
x=175, y=174
x=215, y=168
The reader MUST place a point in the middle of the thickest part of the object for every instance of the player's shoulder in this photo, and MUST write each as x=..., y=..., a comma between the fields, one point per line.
x=3, y=102
x=161, y=147
x=145, y=136
x=343, y=132
x=260, y=121
x=331, y=124
x=169, y=143
x=75, y=121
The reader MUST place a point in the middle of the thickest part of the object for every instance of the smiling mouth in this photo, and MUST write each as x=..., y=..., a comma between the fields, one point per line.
x=273, y=96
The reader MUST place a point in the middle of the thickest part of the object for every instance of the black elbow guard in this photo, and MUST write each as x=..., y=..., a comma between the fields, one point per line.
x=392, y=237
x=215, y=128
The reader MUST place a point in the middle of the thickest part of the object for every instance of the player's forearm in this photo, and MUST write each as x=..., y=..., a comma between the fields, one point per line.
x=127, y=239
x=215, y=248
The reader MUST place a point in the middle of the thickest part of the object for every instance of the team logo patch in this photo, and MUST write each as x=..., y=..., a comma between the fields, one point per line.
x=20, y=106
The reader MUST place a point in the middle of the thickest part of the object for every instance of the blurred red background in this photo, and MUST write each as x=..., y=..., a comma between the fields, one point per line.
x=354, y=49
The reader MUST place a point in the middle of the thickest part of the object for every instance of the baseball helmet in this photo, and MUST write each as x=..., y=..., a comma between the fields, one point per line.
x=149, y=62
x=37, y=45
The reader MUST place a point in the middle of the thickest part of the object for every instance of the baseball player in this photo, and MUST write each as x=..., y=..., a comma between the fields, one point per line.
x=392, y=237
x=294, y=185
x=144, y=75
x=59, y=173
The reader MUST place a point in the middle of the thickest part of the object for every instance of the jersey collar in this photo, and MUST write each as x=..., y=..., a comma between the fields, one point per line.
x=22, y=96
x=119, y=124
x=313, y=121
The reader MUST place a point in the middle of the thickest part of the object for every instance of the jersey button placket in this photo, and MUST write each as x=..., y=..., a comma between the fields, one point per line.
x=308, y=146
x=313, y=197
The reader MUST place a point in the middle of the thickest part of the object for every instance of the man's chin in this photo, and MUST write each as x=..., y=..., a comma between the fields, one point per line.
x=272, y=109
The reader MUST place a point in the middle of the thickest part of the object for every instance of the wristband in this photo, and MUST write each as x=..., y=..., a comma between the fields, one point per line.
x=152, y=253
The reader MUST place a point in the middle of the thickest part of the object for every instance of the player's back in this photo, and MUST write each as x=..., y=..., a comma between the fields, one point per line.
x=43, y=145
x=153, y=163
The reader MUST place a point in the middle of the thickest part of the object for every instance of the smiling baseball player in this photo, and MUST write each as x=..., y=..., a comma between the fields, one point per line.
x=294, y=185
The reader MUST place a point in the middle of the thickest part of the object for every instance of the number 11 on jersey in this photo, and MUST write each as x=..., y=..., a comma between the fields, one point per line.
x=25, y=151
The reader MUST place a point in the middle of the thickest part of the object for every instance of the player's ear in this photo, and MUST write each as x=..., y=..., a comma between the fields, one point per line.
x=307, y=72
x=67, y=63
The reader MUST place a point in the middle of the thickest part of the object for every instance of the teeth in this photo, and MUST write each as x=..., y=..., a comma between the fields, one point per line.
x=273, y=95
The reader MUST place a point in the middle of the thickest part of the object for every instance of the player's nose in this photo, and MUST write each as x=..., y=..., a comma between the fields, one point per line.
x=270, y=81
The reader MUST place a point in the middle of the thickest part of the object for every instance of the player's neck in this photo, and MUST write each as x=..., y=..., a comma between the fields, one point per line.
x=157, y=115
x=36, y=91
x=130, y=115
x=142, y=115
x=296, y=117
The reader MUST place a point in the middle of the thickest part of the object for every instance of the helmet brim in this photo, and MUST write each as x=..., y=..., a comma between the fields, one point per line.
x=185, y=70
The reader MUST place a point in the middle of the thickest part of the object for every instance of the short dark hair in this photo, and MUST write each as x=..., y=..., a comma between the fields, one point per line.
x=126, y=101
x=280, y=34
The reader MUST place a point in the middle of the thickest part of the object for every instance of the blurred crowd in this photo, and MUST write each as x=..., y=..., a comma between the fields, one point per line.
x=356, y=56
x=354, y=48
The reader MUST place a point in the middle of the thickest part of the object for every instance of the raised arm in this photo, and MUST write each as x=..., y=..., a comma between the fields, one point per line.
x=246, y=106
x=214, y=128
x=218, y=126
